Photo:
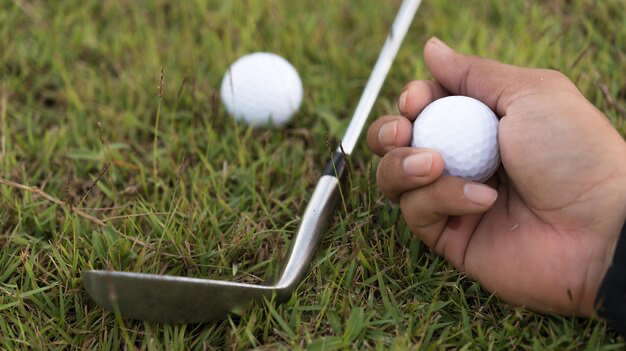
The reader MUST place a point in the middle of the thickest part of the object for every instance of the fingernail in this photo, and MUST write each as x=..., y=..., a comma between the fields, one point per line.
x=435, y=41
x=387, y=133
x=402, y=101
x=480, y=194
x=418, y=165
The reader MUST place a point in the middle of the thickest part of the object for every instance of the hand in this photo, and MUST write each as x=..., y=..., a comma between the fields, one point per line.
x=542, y=231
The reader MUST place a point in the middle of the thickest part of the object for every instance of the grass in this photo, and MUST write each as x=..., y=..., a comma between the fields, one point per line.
x=206, y=197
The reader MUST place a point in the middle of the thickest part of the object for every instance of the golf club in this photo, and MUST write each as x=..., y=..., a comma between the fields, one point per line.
x=173, y=299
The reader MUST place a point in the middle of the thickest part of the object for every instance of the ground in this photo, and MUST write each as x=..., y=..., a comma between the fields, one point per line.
x=123, y=95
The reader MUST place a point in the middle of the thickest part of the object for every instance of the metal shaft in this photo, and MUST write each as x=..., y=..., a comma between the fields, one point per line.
x=319, y=210
x=388, y=53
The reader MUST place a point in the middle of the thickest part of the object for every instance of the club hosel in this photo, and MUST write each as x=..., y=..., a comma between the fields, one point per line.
x=316, y=218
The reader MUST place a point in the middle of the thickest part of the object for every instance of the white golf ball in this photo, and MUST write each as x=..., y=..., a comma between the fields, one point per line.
x=262, y=89
x=465, y=132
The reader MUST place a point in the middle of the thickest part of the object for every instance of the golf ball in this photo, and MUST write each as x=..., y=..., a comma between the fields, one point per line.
x=465, y=132
x=262, y=89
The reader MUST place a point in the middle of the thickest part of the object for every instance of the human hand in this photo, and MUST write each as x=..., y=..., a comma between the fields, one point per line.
x=542, y=231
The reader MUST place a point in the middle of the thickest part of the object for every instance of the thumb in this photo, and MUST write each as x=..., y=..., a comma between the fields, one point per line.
x=494, y=83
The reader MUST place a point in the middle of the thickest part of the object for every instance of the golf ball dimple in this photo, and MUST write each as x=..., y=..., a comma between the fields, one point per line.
x=465, y=132
x=262, y=89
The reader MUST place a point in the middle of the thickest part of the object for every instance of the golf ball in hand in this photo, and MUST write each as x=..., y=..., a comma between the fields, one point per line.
x=262, y=89
x=465, y=132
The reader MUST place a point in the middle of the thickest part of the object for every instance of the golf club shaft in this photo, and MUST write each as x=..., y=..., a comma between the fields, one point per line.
x=377, y=78
x=323, y=201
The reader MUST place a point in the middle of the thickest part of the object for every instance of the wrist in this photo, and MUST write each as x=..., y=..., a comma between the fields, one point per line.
x=610, y=281
x=595, y=275
x=610, y=274
x=611, y=296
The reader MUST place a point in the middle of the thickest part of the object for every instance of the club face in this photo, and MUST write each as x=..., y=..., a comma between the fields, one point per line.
x=170, y=299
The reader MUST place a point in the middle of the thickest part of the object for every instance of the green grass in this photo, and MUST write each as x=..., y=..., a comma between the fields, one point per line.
x=217, y=199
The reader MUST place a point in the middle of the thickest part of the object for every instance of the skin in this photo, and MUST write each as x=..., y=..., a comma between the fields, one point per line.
x=542, y=231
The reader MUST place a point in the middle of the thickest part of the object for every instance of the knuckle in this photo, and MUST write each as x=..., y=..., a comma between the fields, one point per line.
x=385, y=182
x=408, y=208
x=385, y=172
x=372, y=136
x=441, y=190
x=381, y=178
x=542, y=81
x=553, y=76
x=436, y=192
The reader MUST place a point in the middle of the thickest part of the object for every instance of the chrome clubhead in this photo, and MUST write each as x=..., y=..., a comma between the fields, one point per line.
x=161, y=298
x=168, y=299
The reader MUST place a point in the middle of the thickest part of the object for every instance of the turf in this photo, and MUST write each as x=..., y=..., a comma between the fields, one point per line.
x=196, y=194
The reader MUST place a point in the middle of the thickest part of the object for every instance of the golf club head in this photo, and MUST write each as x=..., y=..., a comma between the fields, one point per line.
x=171, y=299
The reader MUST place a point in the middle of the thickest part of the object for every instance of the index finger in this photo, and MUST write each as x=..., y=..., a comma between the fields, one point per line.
x=388, y=133
x=417, y=95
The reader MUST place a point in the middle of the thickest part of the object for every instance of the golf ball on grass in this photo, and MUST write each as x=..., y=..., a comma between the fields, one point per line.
x=465, y=132
x=262, y=89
